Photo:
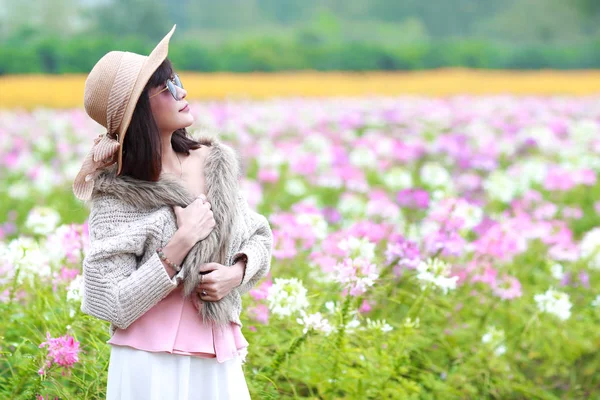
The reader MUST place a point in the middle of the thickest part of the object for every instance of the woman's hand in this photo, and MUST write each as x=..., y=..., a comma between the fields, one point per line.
x=196, y=220
x=218, y=280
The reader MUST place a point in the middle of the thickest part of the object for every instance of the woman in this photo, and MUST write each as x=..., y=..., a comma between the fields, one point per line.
x=173, y=245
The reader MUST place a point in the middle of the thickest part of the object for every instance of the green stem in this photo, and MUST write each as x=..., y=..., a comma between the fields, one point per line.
x=278, y=360
x=339, y=343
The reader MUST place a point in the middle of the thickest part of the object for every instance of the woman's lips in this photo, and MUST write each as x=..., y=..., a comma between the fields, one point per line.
x=186, y=108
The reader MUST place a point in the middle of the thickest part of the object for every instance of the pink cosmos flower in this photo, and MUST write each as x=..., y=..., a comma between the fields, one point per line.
x=487, y=276
x=259, y=313
x=584, y=279
x=379, y=205
x=501, y=242
x=284, y=246
x=365, y=307
x=324, y=261
x=268, y=175
x=373, y=231
x=597, y=207
x=305, y=165
x=507, y=288
x=572, y=212
x=356, y=275
x=558, y=179
x=261, y=291
x=405, y=251
x=62, y=351
x=445, y=241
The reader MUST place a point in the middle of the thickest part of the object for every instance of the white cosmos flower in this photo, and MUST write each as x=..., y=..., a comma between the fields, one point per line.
x=435, y=175
x=596, y=301
x=545, y=138
x=397, y=178
x=557, y=271
x=314, y=321
x=532, y=171
x=316, y=222
x=331, y=306
x=409, y=323
x=495, y=338
x=469, y=213
x=75, y=289
x=352, y=205
x=286, y=297
x=295, y=187
x=436, y=272
x=500, y=186
x=358, y=248
x=42, y=220
x=380, y=325
x=583, y=131
x=363, y=157
x=46, y=179
x=273, y=158
x=19, y=191
x=352, y=325
x=24, y=254
x=554, y=302
x=590, y=247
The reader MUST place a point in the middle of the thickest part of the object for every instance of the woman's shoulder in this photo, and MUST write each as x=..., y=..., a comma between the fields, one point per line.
x=110, y=208
x=200, y=153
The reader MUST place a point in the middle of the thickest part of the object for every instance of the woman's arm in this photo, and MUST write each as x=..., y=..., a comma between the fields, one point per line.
x=256, y=251
x=116, y=289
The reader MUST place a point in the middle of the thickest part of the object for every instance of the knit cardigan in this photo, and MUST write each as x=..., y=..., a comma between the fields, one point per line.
x=123, y=275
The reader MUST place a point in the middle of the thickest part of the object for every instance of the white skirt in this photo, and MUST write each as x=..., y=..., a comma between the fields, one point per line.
x=136, y=374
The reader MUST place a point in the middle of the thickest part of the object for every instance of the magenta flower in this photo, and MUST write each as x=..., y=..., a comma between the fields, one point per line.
x=405, y=251
x=413, y=198
x=62, y=351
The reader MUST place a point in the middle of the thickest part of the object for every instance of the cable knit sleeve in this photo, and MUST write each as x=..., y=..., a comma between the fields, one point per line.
x=257, y=247
x=119, y=286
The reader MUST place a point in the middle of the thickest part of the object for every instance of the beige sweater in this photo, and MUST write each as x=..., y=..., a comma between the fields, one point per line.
x=123, y=275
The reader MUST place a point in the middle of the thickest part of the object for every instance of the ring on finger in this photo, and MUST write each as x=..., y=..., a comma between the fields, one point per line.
x=203, y=293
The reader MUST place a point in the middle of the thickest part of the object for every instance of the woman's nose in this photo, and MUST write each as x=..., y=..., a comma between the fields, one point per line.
x=182, y=93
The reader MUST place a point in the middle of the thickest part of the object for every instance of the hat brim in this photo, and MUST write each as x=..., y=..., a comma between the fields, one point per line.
x=151, y=64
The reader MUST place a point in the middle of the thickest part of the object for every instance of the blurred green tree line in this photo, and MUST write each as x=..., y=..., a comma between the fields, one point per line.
x=59, y=36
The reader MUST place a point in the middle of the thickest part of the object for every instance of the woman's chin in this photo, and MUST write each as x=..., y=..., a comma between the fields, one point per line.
x=187, y=120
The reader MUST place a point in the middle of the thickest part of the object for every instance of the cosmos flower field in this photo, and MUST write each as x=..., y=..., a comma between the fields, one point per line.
x=424, y=248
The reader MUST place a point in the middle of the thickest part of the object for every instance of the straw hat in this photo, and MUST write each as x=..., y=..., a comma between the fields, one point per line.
x=112, y=90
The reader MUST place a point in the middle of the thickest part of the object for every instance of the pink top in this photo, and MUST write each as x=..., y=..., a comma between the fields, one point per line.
x=174, y=326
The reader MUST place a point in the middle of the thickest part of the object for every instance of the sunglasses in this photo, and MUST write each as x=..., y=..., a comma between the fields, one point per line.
x=171, y=85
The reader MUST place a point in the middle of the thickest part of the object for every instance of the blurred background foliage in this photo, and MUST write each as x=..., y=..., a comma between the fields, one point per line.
x=61, y=36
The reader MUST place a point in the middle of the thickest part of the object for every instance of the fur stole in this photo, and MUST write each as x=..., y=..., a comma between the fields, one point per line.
x=222, y=172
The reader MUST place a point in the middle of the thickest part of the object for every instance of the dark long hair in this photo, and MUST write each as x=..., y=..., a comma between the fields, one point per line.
x=142, y=151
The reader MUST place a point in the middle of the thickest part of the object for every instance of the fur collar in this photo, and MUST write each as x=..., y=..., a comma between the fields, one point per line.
x=221, y=172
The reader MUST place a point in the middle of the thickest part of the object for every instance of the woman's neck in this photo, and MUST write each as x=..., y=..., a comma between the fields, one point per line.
x=170, y=161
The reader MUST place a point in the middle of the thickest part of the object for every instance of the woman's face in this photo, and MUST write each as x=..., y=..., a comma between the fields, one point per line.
x=170, y=114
